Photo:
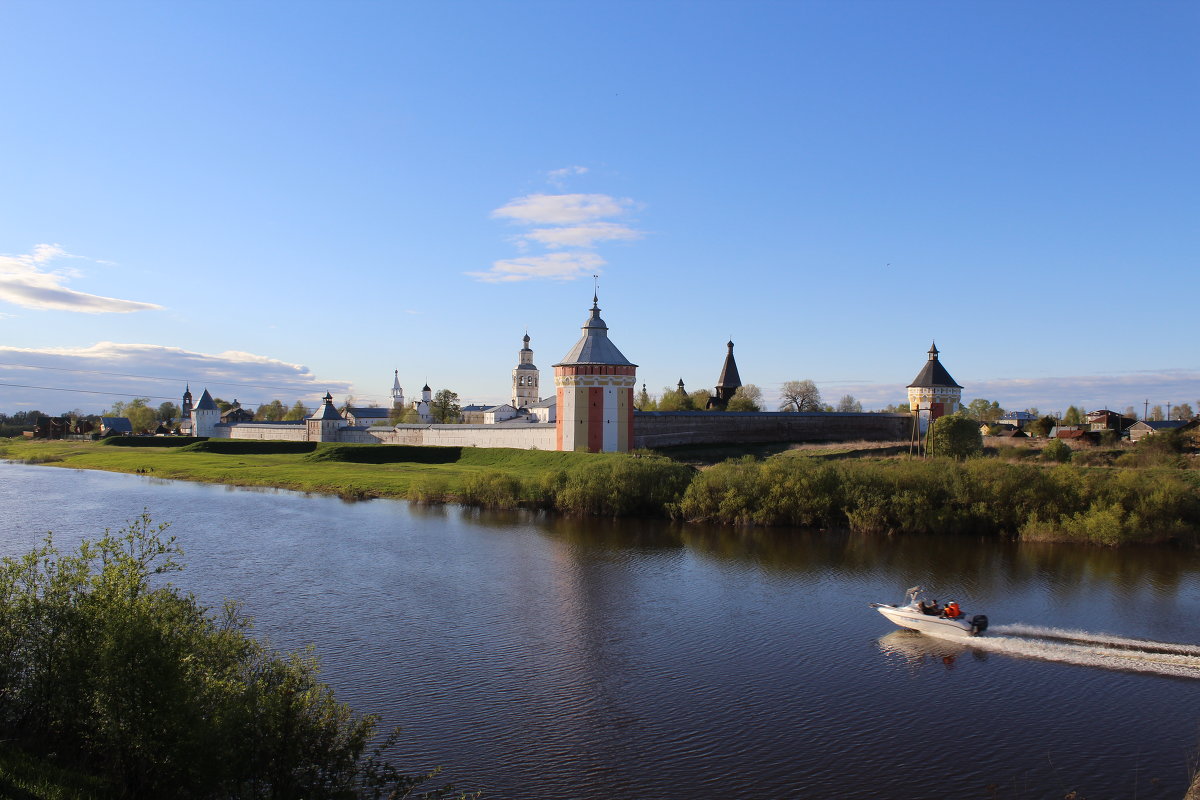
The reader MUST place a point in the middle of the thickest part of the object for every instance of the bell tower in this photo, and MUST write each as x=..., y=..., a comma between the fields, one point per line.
x=525, y=379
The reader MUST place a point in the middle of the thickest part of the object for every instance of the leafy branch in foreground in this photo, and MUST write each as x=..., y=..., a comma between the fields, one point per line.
x=108, y=669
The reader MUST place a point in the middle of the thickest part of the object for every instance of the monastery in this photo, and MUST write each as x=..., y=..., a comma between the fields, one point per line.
x=592, y=410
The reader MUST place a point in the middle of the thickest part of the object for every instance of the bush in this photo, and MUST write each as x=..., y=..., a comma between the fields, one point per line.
x=955, y=436
x=1056, y=450
x=150, y=441
x=113, y=672
x=248, y=447
x=619, y=487
x=385, y=454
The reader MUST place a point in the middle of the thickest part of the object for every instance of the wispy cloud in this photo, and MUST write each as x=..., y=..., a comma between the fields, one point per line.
x=568, y=225
x=562, y=209
x=583, y=235
x=91, y=378
x=558, y=177
x=551, y=266
x=26, y=281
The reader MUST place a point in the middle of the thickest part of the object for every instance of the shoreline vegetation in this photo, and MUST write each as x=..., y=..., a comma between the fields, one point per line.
x=116, y=683
x=1145, y=494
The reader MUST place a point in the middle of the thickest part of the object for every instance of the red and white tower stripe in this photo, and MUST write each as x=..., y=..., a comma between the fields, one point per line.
x=594, y=384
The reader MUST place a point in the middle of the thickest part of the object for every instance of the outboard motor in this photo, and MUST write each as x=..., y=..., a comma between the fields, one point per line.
x=978, y=624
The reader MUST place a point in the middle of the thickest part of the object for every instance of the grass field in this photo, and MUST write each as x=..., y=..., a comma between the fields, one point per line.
x=323, y=471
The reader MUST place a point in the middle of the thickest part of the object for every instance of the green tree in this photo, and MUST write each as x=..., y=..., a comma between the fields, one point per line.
x=799, y=396
x=296, y=412
x=1156, y=414
x=849, y=405
x=1073, y=416
x=273, y=411
x=748, y=397
x=167, y=411
x=123, y=675
x=898, y=408
x=445, y=408
x=674, y=400
x=137, y=411
x=1182, y=411
x=410, y=417
x=644, y=401
x=955, y=436
x=984, y=411
x=700, y=398
x=1042, y=426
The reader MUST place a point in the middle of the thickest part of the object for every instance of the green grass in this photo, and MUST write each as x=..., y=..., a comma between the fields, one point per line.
x=27, y=777
x=347, y=470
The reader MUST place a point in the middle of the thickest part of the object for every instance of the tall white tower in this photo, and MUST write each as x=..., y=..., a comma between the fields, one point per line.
x=205, y=416
x=397, y=392
x=525, y=379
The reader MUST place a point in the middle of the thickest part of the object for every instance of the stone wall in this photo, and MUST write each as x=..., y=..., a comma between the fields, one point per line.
x=273, y=431
x=669, y=428
x=650, y=429
x=523, y=437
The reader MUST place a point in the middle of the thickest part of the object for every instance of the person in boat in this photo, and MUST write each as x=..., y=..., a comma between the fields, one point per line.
x=932, y=609
x=952, y=610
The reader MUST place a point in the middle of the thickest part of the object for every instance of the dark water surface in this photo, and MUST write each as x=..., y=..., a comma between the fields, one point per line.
x=552, y=658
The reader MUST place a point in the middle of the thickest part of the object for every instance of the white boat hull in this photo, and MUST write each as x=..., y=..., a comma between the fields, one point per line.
x=917, y=620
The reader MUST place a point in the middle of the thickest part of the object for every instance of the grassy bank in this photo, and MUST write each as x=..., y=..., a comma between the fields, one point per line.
x=863, y=489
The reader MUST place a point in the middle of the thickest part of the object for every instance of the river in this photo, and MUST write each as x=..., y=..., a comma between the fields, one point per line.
x=543, y=658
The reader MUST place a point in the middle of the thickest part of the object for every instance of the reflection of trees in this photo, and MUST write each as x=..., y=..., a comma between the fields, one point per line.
x=978, y=567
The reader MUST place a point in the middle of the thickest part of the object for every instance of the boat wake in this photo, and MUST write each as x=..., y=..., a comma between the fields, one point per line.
x=1092, y=650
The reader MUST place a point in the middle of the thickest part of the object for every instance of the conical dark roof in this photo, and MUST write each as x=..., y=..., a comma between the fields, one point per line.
x=730, y=379
x=206, y=403
x=933, y=373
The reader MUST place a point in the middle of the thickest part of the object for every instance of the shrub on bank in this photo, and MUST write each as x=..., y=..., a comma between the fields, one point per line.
x=385, y=454
x=622, y=487
x=150, y=441
x=981, y=496
x=248, y=447
x=106, y=670
x=1056, y=450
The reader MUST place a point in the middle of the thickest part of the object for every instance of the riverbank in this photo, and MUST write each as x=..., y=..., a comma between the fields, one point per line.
x=839, y=488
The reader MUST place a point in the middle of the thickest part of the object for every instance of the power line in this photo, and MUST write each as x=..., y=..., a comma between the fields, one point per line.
x=84, y=391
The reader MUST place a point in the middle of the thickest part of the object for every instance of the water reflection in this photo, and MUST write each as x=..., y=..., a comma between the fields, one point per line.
x=917, y=651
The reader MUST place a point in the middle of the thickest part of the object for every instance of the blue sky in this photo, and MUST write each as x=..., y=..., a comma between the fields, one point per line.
x=278, y=199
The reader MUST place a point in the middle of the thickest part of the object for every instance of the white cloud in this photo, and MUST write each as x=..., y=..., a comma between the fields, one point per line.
x=25, y=282
x=562, y=209
x=559, y=176
x=551, y=266
x=91, y=378
x=583, y=235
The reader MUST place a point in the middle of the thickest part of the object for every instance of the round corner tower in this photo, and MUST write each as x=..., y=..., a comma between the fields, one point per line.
x=594, y=388
x=933, y=389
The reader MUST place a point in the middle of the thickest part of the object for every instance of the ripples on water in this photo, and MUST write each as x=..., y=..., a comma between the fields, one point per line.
x=539, y=657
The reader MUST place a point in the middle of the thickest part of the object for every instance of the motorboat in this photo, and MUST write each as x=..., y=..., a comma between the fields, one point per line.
x=947, y=621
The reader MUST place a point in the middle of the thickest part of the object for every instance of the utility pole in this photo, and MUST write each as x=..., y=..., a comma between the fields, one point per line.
x=1146, y=409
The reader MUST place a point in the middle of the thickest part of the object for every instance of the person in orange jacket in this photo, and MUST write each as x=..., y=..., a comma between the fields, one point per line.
x=952, y=610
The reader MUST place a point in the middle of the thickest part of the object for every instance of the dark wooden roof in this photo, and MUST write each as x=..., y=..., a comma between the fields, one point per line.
x=730, y=379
